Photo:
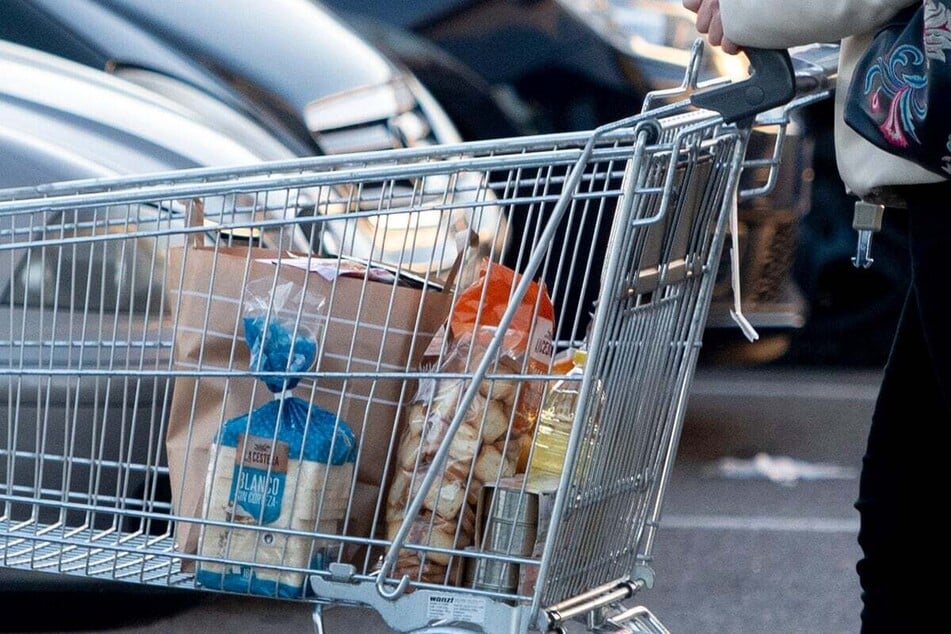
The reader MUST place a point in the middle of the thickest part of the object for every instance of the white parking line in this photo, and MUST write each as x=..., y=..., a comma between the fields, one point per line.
x=761, y=523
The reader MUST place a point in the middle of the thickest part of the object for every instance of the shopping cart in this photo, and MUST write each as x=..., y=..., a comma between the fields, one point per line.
x=94, y=382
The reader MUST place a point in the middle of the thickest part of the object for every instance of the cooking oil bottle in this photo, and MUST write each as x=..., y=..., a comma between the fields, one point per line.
x=555, y=421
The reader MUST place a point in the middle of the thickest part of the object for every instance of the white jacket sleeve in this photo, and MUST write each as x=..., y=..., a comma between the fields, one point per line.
x=786, y=23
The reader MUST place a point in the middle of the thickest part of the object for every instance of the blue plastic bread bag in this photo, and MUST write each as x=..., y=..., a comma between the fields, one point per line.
x=278, y=473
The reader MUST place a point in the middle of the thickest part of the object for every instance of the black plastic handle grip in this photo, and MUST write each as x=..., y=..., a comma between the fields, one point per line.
x=772, y=82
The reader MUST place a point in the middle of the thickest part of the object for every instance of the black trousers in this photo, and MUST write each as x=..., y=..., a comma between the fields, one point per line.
x=904, y=478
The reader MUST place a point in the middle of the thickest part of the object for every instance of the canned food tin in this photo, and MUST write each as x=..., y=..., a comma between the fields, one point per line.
x=492, y=575
x=507, y=518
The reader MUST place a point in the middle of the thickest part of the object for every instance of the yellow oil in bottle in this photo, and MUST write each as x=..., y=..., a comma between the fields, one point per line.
x=554, y=423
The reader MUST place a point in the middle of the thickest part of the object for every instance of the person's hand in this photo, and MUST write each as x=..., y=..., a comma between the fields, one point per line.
x=710, y=24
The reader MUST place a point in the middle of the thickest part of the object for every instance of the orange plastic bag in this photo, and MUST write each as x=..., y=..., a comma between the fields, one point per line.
x=477, y=313
x=497, y=424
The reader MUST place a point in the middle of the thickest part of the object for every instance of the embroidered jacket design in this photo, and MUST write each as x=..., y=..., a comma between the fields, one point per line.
x=896, y=87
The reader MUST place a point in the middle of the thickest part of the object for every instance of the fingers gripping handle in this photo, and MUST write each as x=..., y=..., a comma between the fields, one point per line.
x=772, y=82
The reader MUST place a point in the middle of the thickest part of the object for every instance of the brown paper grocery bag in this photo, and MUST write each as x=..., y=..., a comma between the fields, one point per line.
x=371, y=326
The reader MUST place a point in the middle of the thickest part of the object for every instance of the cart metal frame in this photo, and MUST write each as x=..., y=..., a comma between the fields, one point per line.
x=667, y=181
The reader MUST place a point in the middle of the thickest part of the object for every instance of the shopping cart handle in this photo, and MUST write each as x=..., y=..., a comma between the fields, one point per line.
x=771, y=83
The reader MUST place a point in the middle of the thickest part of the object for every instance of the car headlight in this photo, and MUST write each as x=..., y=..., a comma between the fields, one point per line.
x=400, y=114
x=419, y=221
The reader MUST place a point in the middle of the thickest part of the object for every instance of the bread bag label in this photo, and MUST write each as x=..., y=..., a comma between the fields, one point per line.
x=260, y=476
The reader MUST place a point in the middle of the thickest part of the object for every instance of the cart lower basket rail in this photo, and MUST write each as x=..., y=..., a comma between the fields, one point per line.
x=333, y=380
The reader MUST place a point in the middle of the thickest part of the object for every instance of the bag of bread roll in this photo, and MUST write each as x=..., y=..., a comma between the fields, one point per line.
x=496, y=425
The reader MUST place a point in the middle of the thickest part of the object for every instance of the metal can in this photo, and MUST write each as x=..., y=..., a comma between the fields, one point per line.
x=494, y=575
x=507, y=520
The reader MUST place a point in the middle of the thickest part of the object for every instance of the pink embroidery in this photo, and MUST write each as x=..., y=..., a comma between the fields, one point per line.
x=891, y=126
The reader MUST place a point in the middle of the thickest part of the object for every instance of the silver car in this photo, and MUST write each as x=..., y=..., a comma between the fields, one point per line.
x=60, y=121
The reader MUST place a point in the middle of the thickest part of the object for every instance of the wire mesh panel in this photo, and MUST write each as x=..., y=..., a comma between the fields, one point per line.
x=319, y=379
x=654, y=298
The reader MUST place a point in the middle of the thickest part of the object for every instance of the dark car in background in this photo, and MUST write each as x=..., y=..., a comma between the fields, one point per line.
x=291, y=66
x=557, y=65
